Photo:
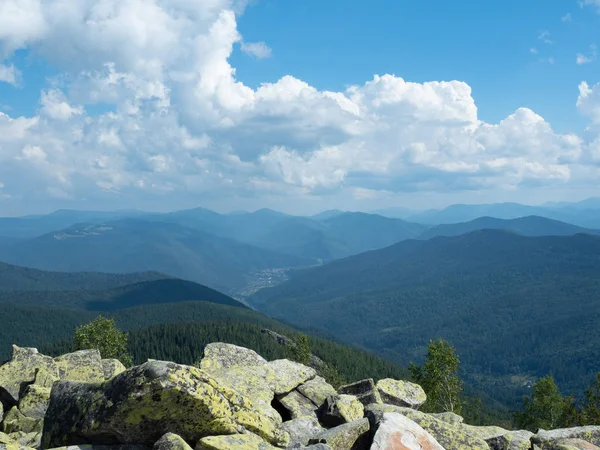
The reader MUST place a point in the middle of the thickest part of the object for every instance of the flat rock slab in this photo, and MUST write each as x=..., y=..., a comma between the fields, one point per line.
x=512, y=440
x=450, y=436
x=302, y=430
x=548, y=440
x=401, y=393
x=576, y=444
x=220, y=355
x=317, y=390
x=397, y=432
x=298, y=405
x=364, y=390
x=246, y=441
x=350, y=436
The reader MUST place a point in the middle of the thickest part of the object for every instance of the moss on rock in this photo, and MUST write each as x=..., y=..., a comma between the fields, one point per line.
x=450, y=436
x=145, y=402
x=317, y=390
x=34, y=401
x=21, y=370
x=401, y=393
x=171, y=441
x=247, y=441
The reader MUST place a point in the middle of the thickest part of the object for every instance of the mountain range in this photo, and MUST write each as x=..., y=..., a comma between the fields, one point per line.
x=516, y=307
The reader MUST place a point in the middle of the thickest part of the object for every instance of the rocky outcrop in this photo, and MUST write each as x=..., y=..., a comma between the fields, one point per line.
x=232, y=399
x=397, y=432
x=364, y=390
x=401, y=393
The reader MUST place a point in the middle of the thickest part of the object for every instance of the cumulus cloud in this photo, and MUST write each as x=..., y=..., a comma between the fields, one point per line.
x=259, y=50
x=179, y=124
x=593, y=3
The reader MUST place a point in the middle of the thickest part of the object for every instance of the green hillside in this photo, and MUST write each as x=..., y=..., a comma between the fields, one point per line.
x=19, y=278
x=515, y=307
x=171, y=290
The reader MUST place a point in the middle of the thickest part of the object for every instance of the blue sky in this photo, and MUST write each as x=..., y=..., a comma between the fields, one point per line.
x=162, y=104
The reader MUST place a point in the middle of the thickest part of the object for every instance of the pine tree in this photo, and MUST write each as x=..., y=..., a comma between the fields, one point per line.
x=301, y=352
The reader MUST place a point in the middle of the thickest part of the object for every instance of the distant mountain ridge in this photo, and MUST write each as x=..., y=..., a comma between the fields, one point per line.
x=136, y=245
x=526, y=226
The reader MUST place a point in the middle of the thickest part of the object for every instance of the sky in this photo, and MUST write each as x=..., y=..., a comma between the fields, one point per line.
x=296, y=106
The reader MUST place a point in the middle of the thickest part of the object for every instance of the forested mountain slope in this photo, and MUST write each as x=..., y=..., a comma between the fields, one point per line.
x=514, y=306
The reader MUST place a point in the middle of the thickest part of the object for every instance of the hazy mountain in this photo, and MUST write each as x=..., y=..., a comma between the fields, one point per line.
x=327, y=214
x=329, y=236
x=526, y=226
x=512, y=305
x=134, y=245
x=584, y=214
x=33, y=226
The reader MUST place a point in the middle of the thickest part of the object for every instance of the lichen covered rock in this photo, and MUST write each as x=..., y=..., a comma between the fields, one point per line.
x=220, y=355
x=398, y=432
x=15, y=421
x=247, y=441
x=302, y=430
x=34, y=401
x=450, y=436
x=548, y=440
x=111, y=368
x=317, y=390
x=349, y=436
x=401, y=393
x=298, y=405
x=145, y=402
x=20, y=371
x=511, y=440
x=576, y=444
x=82, y=365
x=171, y=441
x=340, y=409
x=364, y=390
x=449, y=417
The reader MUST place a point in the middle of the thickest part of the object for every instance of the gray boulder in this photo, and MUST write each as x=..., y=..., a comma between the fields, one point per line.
x=340, y=409
x=302, y=430
x=317, y=390
x=401, y=393
x=171, y=441
x=549, y=440
x=364, y=390
x=395, y=431
x=349, y=436
x=143, y=403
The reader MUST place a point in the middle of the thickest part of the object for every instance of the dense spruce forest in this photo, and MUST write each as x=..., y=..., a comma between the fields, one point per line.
x=515, y=307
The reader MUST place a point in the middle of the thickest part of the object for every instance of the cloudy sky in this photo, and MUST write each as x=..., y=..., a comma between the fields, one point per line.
x=296, y=105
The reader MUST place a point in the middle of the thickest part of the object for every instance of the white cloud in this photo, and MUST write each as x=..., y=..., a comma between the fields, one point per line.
x=533, y=50
x=9, y=74
x=544, y=36
x=596, y=3
x=583, y=59
x=259, y=50
x=181, y=126
x=567, y=18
